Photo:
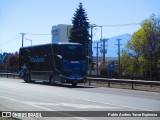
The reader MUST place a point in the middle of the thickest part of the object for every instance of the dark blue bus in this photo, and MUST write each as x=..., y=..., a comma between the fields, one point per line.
x=56, y=63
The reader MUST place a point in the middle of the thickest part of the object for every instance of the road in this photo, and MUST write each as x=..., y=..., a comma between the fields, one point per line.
x=16, y=95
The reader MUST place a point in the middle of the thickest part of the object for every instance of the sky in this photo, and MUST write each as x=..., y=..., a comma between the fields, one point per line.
x=36, y=18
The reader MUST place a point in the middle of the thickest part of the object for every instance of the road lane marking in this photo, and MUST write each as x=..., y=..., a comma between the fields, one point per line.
x=122, y=106
x=26, y=103
x=43, y=103
x=80, y=106
x=42, y=107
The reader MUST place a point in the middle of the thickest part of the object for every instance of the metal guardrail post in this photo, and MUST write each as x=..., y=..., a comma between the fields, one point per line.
x=108, y=84
x=7, y=74
x=132, y=86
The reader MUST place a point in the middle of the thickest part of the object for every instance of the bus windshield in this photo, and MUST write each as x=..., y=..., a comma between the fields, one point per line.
x=72, y=50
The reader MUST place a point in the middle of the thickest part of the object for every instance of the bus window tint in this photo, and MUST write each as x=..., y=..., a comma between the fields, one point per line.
x=72, y=49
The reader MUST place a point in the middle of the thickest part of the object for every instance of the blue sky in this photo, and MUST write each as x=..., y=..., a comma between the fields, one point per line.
x=38, y=17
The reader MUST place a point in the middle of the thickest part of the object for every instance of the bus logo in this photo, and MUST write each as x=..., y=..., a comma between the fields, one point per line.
x=36, y=60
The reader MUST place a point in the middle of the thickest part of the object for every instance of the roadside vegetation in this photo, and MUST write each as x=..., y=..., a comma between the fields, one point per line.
x=141, y=57
x=9, y=62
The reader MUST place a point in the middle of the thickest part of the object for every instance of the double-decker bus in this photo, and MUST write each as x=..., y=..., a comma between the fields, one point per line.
x=56, y=63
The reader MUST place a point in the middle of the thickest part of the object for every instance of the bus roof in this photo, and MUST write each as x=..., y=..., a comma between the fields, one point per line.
x=58, y=43
x=66, y=43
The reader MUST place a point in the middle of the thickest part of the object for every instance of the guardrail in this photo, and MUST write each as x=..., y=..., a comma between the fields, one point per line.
x=132, y=82
x=9, y=75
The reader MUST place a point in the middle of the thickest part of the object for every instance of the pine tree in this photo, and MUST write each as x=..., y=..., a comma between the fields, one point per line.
x=80, y=29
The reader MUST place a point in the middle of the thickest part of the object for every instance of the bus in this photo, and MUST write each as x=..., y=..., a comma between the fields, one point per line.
x=56, y=63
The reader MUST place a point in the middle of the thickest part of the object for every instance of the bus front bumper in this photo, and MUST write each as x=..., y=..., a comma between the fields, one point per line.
x=73, y=79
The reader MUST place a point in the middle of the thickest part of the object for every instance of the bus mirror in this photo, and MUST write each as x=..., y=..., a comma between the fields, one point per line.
x=59, y=56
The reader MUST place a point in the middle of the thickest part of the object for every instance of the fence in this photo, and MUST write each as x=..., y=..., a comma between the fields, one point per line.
x=132, y=82
x=8, y=74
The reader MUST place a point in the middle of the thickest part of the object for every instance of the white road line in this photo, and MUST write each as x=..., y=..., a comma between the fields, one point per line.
x=27, y=103
x=83, y=106
x=80, y=106
x=123, y=106
x=42, y=103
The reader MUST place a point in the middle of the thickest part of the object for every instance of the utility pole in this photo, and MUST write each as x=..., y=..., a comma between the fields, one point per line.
x=101, y=39
x=94, y=25
x=22, y=37
x=104, y=50
x=90, y=70
x=97, y=55
x=119, y=62
x=91, y=52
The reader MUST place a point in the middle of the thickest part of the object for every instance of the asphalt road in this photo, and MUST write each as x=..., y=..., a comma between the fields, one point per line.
x=16, y=95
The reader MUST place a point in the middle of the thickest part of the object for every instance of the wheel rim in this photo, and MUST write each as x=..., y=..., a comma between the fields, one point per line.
x=27, y=78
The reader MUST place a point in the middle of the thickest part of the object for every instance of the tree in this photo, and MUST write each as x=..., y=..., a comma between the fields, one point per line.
x=126, y=63
x=151, y=43
x=80, y=29
x=134, y=51
x=12, y=62
x=144, y=47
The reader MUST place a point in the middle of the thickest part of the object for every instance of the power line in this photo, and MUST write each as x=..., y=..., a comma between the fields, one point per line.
x=10, y=41
x=121, y=25
x=37, y=34
x=30, y=34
